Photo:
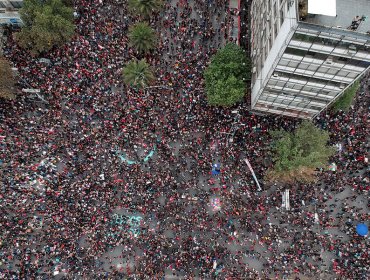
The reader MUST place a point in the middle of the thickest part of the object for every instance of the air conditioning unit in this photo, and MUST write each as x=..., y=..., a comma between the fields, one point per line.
x=262, y=15
x=341, y=86
x=275, y=75
x=254, y=70
x=254, y=53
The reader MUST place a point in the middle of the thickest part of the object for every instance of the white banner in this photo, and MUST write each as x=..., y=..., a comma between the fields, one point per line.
x=254, y=175
x=285, y=201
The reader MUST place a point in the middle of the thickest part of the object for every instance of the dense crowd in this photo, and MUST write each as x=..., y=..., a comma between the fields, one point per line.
x=63, y=183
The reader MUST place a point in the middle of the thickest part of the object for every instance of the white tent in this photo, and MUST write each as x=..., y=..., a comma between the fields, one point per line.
x=323, y=7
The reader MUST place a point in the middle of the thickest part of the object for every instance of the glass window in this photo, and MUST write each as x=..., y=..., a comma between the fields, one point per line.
x=304, y=37
x=322, y=70
x=298, y=87
x=281, y=17
x=295, y=51
x=275, y=30
x=270, y=40
x=333, y=71
x=303, y=66
x=284, y=62
x=315, y=108
x=312, y=67
x=352, y=75
x=281, y=84
x=321, y=56
x=270, y=98
x=293, y=64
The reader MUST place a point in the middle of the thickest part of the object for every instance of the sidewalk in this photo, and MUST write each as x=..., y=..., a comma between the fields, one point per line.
x=234, y=6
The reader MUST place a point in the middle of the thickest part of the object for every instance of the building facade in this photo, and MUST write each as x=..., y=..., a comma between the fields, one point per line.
x=302, y=62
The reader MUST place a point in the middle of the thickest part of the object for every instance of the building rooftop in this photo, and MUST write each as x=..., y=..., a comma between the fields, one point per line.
x=11, y=4
x=346, y=10
x=9, y=12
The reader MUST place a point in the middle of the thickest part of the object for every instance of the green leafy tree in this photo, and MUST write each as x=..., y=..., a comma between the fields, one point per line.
x=298, y=154
x=142, y=37
x=7, y=82
x=345, y=101
x=230, y=91
x=144, y=7
x=137, y=74
x=227, y=75
x=46, y=24
x=68, y=3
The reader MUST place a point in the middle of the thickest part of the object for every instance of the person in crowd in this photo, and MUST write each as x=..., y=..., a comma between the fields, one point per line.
x=71, y=205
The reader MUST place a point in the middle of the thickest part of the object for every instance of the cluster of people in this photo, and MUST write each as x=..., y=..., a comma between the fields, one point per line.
x=356, y=22
x=72, y=206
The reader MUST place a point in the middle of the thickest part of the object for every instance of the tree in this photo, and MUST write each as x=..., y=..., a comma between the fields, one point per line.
x=345, y=101
x=144, y=7
x=229, y=91
x=227, y=75
x=298, y=154
x=137, y=74
x=6, y=80
x=46, y=24
x=68, y=3
x=142, y=37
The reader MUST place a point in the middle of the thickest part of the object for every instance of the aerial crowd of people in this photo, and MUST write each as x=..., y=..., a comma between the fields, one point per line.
x=72, y=207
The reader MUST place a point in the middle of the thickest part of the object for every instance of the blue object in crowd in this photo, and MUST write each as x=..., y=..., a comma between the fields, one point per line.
x=362, y=229
x=215, y=172
x=216, y=169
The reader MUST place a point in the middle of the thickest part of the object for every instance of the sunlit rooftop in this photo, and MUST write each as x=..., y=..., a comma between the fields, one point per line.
x=350, y=14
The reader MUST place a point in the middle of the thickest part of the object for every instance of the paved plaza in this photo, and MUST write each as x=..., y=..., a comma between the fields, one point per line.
x=108, y=182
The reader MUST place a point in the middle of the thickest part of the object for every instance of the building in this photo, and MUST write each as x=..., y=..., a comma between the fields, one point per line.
x=305, y=53
x=9, y=12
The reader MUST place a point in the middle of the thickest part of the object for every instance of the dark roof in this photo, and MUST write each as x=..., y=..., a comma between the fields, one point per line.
x=16, y=4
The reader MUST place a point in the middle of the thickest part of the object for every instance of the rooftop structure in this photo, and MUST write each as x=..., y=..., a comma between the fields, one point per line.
x=9, y=11
x=302, y=61
x=347, y=11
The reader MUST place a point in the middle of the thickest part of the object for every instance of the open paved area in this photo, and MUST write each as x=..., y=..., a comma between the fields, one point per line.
x=107, y=182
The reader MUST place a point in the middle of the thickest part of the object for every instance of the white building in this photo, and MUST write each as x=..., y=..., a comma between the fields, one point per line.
x=9, y=11
x=305, y=53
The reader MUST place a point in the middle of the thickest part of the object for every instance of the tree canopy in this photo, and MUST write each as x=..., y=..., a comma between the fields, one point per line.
x=298, y=154
x=144, y=7
x=227, y=75
x=137, y=74
x=7, y=81
x=142, y=37
x=46, y=24
x=345, y=101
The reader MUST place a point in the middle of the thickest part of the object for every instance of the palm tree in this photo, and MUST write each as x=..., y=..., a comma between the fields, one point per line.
x=7, y=81
x=144, y=7
x=142, y=37
x=137, y=74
